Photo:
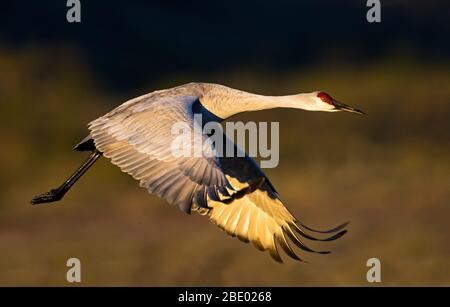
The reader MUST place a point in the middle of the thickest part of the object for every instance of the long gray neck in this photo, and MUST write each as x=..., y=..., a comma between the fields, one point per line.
x=225, y=102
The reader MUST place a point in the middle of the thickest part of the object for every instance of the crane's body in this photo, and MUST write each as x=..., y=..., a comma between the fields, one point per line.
x=233, y=191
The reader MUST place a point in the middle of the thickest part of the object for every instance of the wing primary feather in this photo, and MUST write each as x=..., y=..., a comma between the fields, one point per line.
x=223, y=190
x=200, y=197
x=274, y=252
x=213, y=193
x=299, y=243
x=307, y=236
x=333, y=230
x=253, y=233
x=244, y=191
x=286, y=247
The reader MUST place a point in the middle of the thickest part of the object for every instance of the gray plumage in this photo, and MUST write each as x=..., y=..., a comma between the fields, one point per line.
x=136, y=136
x=233, y=191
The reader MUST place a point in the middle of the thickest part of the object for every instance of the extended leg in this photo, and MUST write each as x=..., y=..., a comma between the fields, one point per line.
x=58, y=193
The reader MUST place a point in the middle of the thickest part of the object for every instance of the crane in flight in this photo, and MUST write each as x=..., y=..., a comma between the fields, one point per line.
x=232, y=191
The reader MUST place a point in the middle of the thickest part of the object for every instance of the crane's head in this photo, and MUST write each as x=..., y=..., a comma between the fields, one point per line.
x=324, y=102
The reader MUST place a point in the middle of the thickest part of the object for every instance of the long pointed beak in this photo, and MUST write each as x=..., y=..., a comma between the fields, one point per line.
x=343, y=107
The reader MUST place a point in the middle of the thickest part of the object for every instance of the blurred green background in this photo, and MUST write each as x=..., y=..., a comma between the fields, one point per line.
x=387, y=172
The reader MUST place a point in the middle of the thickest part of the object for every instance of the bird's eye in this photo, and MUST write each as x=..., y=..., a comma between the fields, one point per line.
x=325, y=97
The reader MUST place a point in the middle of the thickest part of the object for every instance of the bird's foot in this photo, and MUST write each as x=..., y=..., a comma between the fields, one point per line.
x=48, y=197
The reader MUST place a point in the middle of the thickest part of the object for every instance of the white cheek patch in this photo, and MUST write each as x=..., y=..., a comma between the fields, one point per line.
x=323, y=106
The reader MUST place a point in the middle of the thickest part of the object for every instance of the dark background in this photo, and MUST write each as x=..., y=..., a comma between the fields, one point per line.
x=130, y=43
x=387, y=172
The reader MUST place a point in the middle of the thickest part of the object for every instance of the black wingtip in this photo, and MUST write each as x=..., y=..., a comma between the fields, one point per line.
x=324, y=252
x=333, y=230
x=313, y=238
x=337, y=236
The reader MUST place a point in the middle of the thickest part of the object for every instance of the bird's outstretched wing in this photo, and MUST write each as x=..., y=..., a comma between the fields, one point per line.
x=233, y=191
x=137, y=136
x=259, y=216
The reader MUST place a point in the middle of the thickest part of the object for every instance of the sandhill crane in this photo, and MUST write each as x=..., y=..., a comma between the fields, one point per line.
x=232, y=191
